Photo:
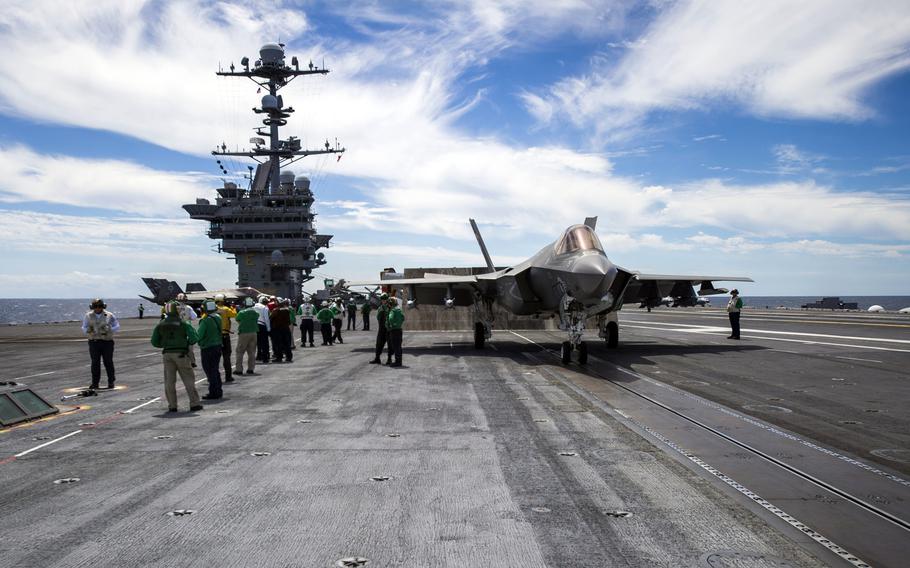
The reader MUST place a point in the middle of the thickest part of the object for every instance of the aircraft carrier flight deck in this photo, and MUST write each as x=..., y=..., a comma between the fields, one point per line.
x=681, y=448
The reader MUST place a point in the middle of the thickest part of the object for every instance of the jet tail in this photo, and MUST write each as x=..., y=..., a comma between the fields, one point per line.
x=591, y=222
x=483, y=247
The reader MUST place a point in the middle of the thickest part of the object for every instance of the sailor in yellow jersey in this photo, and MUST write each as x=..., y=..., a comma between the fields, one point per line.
x=227, y=313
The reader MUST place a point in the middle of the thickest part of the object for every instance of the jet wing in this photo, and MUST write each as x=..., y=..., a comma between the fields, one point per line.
x=644, y=287
x=429, y=279
x=434, y=288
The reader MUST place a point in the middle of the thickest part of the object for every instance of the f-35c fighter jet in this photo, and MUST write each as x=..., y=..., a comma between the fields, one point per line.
x=571, y=278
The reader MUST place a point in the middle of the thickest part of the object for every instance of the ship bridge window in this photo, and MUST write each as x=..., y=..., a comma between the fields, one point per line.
x=578, y=238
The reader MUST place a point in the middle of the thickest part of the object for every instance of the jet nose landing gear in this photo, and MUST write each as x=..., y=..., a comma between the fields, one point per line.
x=582, y=349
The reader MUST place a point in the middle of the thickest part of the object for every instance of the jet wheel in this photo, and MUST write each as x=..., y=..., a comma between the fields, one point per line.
x=582, y=353
x=566, y=352
x=479, y=335
x=612, y=337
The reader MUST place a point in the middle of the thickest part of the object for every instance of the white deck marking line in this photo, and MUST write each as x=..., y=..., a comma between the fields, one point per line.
x=26, y=452
x=30, y=376
x=145, y=355
x=797, y=333
x=710, y=331
x=156, y=399
x=859, y=359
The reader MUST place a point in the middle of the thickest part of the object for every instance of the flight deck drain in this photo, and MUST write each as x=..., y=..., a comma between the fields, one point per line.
x=66, y=480
x=540, y=509
x=380, y=478
x=618, y=514
x=222, y=412
x=304, y=421
x=871, y=410
x=393, y=435
x=522, y=398
x=163, y=437
x=431, y=409
x=261, y=454
x=86, y=423
x=568, y=454
x=40, y=438
x=181, y=513
x=541, y=420
x=352, y=562
x=849, y=422
x=142, y=398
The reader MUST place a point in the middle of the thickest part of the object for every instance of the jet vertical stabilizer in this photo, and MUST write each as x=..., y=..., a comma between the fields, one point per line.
x=483, y=247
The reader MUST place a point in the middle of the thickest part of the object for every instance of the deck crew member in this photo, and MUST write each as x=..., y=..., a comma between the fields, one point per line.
x=382, y=315
x=247, y=331
x=307, y=314
x=264, y=330
x=210, y=347
x=352, y=314
x=100, y=326
x=325, y=316
x=733, y=310
x=281, y=331
x=365, y=312
x=187, y=314
x=141, y=311
x=395, y=325
x=292, y=310
x=174, y=336
x=337, y=318
x=227, y=313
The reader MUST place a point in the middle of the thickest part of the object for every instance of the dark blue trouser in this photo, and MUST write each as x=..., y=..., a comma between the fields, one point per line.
x=306, y=331
x=326, y=329
x=734, y=324
x=262, y=344
x=99, y=349
x=395, y=338
x=211, y=363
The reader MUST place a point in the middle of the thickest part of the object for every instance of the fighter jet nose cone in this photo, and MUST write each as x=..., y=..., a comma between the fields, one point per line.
x=592, y=264
x=592, y=276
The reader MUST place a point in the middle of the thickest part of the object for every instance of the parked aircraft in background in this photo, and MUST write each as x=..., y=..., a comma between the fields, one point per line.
x=571, y=277
x=164, y=291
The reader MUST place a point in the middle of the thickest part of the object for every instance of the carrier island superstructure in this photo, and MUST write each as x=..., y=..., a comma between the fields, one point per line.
x=268, y=227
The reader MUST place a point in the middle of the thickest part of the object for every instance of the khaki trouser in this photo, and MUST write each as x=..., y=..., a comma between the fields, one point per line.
x=179, y=363
x=246, y=345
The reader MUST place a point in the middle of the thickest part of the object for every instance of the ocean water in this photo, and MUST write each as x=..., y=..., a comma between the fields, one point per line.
x=24, y=311
x=890, y=303
x=42, y=310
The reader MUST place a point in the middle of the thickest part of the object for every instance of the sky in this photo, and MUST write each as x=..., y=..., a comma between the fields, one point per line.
x=764, y=139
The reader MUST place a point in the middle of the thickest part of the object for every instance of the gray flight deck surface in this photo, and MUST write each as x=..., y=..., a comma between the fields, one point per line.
x=788, y=448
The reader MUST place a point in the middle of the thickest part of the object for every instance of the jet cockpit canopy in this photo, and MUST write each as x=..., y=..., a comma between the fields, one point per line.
x=578, y=238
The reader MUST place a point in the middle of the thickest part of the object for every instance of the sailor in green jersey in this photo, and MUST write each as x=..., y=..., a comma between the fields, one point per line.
x=325, y=316
x=247, y=330
x=395, y=325
x=174, y=337
x=365, y=311
x=733, y=310
x=381, y=334
x=210, y=347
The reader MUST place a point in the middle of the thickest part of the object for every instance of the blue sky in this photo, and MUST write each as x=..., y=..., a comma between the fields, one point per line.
x=762, y=139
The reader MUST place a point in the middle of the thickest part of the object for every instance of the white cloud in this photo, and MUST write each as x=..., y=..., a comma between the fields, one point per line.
x=772, y=58
x=107, y=184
